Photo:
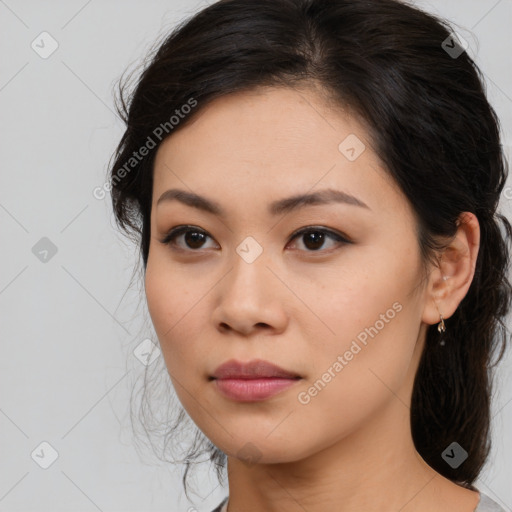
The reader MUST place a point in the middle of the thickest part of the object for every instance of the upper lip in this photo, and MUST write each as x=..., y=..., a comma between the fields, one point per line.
x=254, y=369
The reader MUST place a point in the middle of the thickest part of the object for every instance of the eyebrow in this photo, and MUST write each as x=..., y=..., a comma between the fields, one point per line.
x=281, y=206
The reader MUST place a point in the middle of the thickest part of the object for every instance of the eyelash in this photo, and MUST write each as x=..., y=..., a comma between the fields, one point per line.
x=179, y=230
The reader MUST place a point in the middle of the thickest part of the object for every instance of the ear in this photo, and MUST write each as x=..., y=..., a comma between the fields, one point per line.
x=449, y=282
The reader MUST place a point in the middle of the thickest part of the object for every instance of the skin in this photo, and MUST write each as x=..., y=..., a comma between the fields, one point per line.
x=350, y=448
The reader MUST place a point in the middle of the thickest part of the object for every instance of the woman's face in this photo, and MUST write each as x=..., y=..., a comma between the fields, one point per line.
x=347, y=317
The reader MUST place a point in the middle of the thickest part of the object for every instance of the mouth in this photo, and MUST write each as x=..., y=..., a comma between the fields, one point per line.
x=255, y=369
x=253, y=381
x=254, y=389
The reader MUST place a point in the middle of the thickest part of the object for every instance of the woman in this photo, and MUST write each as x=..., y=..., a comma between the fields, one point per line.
x=314, y=185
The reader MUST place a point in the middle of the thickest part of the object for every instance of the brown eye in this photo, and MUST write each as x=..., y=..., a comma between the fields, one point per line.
x=193, y=238
x=314, y=238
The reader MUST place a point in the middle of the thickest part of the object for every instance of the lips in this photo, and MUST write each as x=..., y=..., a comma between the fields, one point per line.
x=254, y=381
x=255, y=369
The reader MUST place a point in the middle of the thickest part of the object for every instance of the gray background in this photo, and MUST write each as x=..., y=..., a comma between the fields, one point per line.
x=69, y=324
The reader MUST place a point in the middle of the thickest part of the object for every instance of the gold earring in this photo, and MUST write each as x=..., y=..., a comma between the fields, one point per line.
x=440, y=326
x=442, y=329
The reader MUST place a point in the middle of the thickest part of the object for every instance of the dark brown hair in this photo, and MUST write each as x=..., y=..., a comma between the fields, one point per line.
x=429, y=122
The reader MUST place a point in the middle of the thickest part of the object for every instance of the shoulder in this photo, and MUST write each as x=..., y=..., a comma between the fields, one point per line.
x=220, y=507
x=486, y=504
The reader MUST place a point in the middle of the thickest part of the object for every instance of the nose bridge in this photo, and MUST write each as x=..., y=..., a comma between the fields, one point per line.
x=247, y=296
x=249, y=274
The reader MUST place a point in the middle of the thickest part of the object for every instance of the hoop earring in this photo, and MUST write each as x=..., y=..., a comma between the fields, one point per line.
x=442, y=329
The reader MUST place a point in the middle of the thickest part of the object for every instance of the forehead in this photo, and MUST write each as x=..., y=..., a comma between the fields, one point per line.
x=265, y=123
x=266, y=142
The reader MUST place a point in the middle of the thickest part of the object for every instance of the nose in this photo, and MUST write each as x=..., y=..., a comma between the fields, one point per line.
x=249, y=299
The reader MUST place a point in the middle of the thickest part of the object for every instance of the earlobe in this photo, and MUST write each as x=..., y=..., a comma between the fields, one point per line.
x=449, y=282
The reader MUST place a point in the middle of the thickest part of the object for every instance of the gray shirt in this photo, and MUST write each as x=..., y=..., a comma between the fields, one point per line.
x=485, y=504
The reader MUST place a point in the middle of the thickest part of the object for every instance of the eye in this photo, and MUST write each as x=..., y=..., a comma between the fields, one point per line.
x=316, y=237
x=194, y=238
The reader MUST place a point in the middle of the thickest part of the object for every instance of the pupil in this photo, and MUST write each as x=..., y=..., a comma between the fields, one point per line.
x=192, y=237
x=316, y=237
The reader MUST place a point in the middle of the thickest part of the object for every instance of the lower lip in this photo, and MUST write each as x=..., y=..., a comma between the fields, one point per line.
x=252, y=390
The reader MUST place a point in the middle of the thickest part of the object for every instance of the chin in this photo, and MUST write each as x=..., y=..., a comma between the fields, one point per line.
x=261, y=449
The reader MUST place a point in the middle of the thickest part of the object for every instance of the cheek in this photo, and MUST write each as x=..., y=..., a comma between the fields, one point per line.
x=354, y=377
x=167, y=293
x=158, y=296
x=175, y=306
x=373, y=325
x=173, y=309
